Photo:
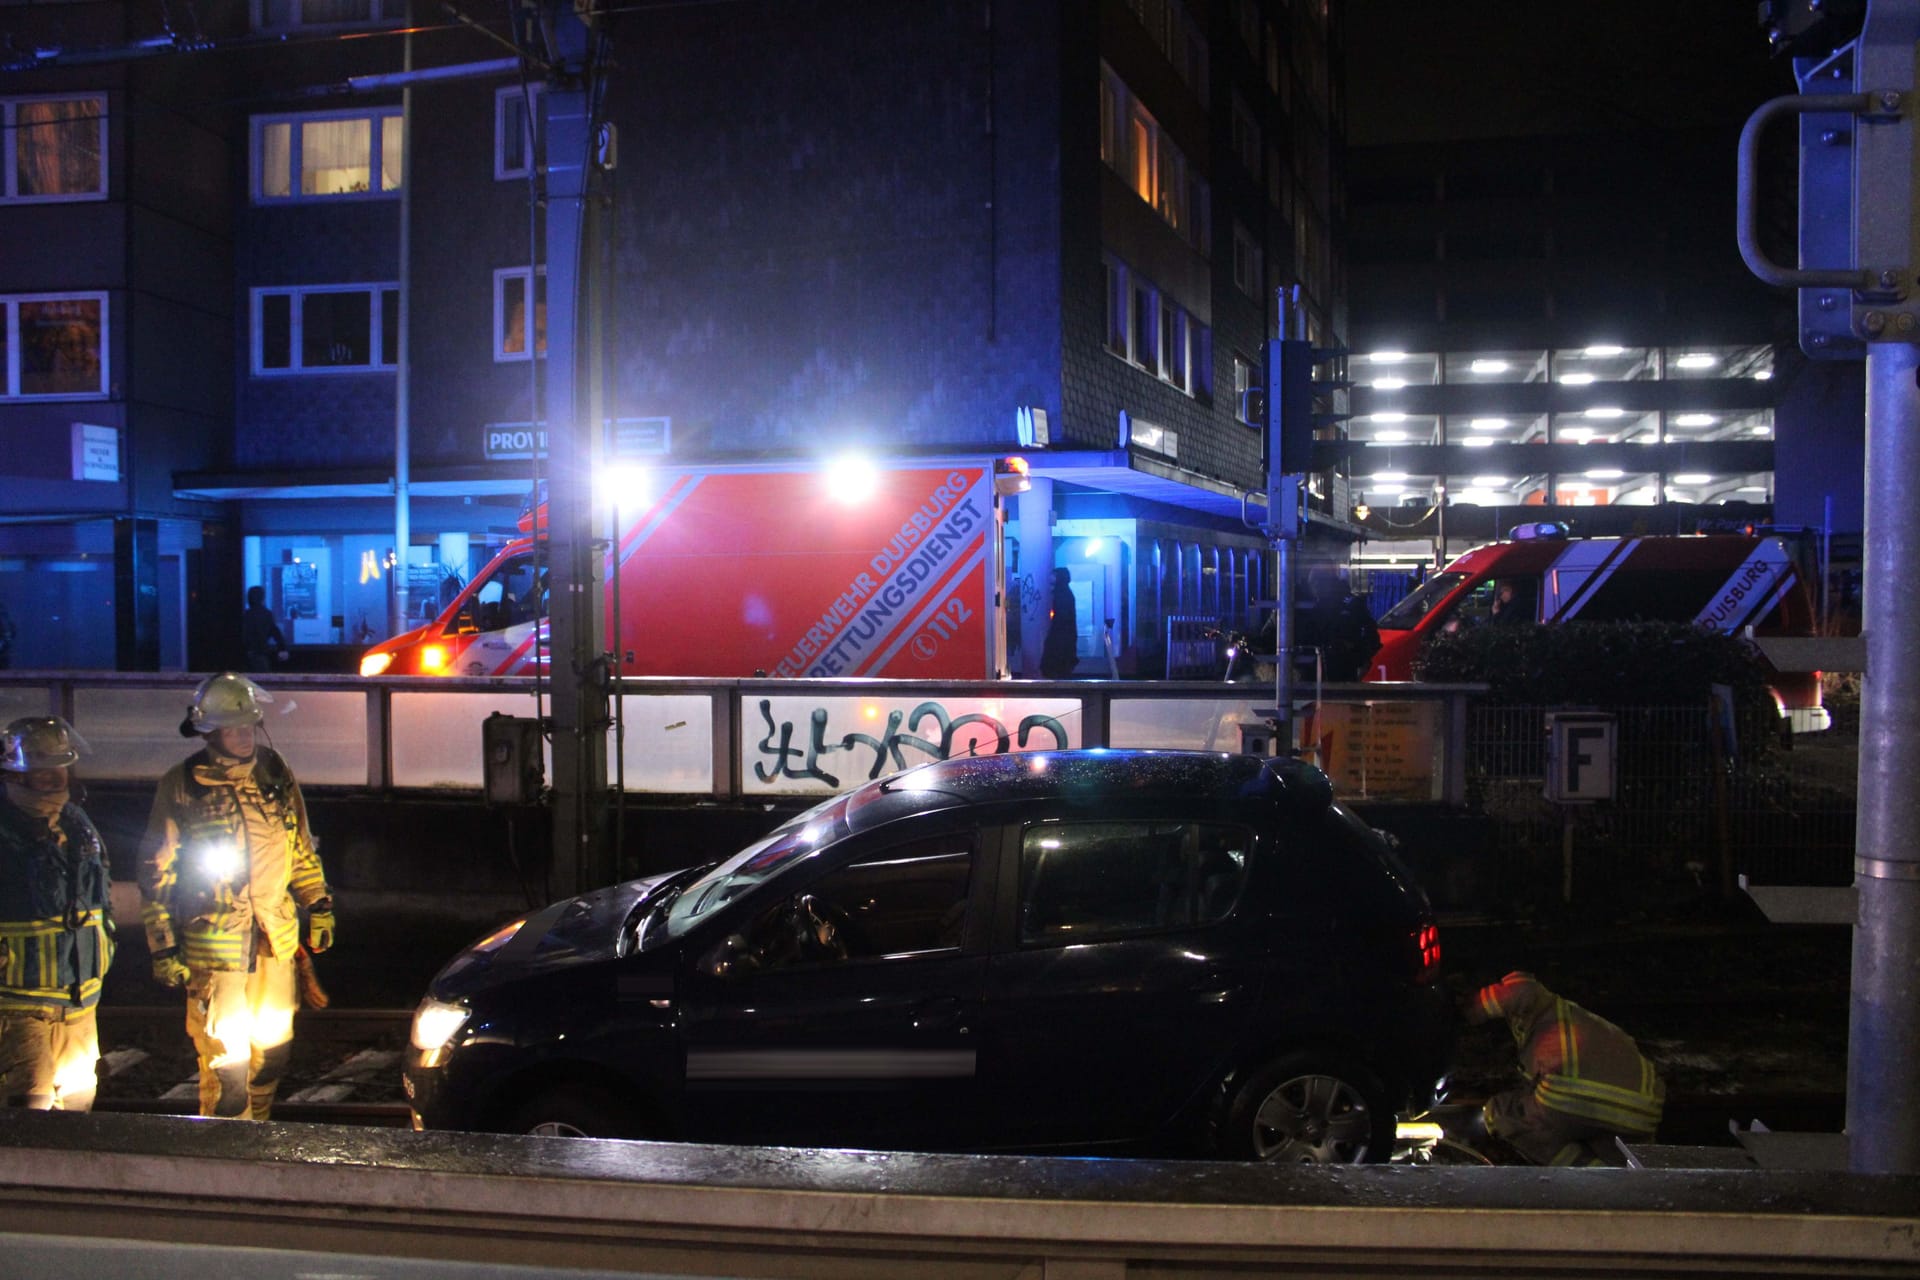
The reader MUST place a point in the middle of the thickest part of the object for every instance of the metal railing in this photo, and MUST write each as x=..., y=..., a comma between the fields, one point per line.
x=751, y=740
x=1686, y=809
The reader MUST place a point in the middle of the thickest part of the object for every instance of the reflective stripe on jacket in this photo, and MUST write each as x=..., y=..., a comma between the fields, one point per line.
x=56, y=916
x=1581, y=1064
x=251, y=812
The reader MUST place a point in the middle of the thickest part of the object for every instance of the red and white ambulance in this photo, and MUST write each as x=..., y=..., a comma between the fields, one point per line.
x=1728, y=582
x=744, y=570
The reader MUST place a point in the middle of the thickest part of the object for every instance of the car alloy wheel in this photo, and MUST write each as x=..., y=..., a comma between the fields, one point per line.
x=1308, y=1108
x=1313, y=1119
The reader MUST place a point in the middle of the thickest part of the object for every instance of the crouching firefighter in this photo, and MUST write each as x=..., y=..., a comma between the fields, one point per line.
x=1587, y=1081
x=227, y=861
x=56, y=921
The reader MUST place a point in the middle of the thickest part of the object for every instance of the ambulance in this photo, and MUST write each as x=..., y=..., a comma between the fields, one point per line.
x=743, y=571
x=1728, y=582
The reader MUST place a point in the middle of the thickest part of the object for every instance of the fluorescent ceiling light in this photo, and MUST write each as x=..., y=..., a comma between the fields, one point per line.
x=1479, y=442
x=1390, y=477
x=1697, y=360
x=1753, y=488
x=1605, y=473
x=1487, y=424
x=1763, y=431
x=1763, y=375
x=1576, y=435
x=1576, y=379
x=1387, y=357
x=1390, y=437
x=1389, y=417
x=1695, y=420
x=1605, y=349
x=1387, y=490
x=1693, y=477
x=1389, y=384
x=1487, y=482
x=1489, y=366
x=1606, y=411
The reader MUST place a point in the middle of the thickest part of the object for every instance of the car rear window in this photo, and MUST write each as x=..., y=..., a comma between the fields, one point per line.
x=1082, y=881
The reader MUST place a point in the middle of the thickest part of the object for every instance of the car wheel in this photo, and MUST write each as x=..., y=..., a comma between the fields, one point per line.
x=1308, y=1109
x=574, y=1111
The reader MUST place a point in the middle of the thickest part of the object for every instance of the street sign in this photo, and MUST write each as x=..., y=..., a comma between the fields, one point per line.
x=1580, y=757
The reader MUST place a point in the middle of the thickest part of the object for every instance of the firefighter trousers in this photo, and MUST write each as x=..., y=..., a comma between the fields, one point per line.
x=241, y=1024
x=1550, y=1137
x=48, y=1062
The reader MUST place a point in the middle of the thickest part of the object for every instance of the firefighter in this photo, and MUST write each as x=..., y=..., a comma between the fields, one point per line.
x=227, y=862
x=56, y=921
x=1587, y=1081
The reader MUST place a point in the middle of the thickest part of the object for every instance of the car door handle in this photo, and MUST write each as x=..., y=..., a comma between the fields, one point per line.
x=941, y=1013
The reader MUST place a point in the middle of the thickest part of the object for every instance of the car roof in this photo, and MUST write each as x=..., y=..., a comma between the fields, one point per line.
x=1087, y=776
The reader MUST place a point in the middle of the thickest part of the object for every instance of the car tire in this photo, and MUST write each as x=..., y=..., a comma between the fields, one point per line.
x=574, y=1111
x=1308, y=1108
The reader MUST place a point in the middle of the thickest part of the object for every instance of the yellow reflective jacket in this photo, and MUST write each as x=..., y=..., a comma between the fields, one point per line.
x=228, y=852
x=1581, y=1064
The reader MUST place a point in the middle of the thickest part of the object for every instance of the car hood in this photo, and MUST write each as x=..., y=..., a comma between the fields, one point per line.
x=572, y=932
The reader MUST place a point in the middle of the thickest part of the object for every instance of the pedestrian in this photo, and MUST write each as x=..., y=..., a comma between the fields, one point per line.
x=1060, y=651
x=56, y=921
x=1340, y=625
x=1586, y=1080
x=260, y=637
x=227, y=863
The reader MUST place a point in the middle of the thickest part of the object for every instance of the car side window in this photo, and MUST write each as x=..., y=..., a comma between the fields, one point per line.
x=1081, y=881
x=904, y=900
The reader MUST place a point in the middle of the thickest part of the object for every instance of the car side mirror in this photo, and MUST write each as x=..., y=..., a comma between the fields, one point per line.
x=463, y=623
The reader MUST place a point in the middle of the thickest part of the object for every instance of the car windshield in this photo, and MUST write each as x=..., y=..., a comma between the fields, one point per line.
x=1406, y=615
x=753, y=866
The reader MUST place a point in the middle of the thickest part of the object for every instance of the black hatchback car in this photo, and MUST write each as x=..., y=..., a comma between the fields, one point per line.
x=1082, y=949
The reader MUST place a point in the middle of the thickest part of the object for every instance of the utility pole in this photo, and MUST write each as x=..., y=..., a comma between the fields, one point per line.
x=579, y=666
x=1859, y=257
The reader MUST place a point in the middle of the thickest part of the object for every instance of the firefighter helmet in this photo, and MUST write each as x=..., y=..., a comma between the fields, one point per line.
x=226, y=701
x=40, y=742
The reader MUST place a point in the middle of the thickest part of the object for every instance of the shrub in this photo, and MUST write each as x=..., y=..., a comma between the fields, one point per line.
x=1600, y=664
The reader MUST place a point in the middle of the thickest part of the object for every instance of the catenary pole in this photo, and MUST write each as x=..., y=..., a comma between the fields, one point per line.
x=577, y=602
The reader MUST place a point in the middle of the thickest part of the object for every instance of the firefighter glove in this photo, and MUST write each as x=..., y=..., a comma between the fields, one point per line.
x=168, y=971
x=320, y=926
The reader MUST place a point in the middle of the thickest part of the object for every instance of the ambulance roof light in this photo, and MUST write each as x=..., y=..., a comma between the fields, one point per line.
x=1011, y=475
x=1539, y=529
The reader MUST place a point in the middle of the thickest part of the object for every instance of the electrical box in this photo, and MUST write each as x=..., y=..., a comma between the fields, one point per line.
x=514, y=755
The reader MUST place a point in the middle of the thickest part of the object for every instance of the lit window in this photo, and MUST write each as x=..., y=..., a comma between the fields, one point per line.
x=326, y=155
x=1146, y=158
x=55, y=345
x=56, y=148
x=326, y=329
x=1245, y=378
x=510, y=288
x=515, y=111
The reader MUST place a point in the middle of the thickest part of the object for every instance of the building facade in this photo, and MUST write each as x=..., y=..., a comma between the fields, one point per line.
x=901, y=227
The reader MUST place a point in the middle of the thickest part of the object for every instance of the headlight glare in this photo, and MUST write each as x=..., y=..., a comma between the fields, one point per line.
x=375, y=663
x=435, y=1023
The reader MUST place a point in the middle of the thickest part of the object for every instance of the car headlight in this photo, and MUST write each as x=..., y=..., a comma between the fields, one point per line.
x=375, y=663
x=435, y=1023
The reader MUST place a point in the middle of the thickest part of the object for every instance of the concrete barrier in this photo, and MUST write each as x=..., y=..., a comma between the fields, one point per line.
x=581, y=1207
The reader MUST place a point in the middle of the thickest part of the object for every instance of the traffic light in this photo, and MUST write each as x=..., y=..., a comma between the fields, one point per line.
x=1289, y=424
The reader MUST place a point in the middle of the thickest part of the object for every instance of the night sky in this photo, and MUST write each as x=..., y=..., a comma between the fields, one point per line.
x=1428, y=70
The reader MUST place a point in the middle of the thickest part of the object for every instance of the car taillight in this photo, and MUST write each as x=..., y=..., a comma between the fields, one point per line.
x=1426, y=946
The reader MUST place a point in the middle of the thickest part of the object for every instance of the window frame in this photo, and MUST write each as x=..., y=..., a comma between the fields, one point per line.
x=1192, y=827
x=256, y=137
x=534, y=331
x=376, y=326
x=530, y=96
x=1249, y=263
x=10, y=152
x=10, y=376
